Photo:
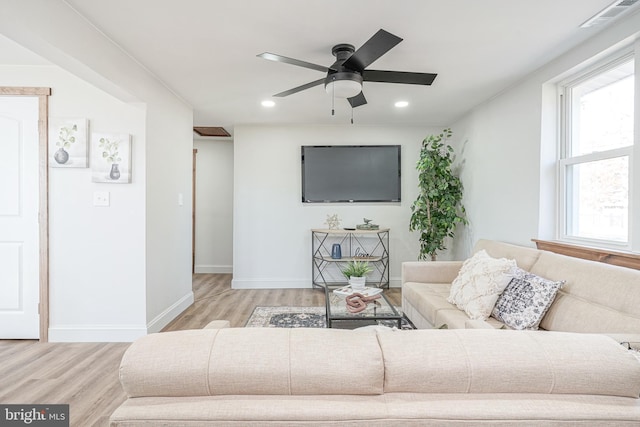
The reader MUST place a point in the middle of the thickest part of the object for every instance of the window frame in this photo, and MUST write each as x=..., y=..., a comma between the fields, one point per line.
x=566, y=160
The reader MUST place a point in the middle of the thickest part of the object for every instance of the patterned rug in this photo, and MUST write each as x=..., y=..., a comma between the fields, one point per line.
x=302, y=317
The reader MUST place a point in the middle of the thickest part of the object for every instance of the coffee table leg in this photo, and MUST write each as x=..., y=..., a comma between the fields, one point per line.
x=326, y=305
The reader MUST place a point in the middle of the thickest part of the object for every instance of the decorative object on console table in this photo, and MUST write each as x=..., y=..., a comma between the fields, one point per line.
x=367, y=225
x=438, y=208
x=333, y=222
x=371, y=246
x=336, y=251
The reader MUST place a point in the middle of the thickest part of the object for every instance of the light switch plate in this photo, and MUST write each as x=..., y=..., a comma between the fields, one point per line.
x=101, y=198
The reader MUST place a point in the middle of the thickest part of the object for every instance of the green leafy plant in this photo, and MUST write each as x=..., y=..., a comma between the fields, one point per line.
x=109, y=150
x=356, y=268
x=438, y=208
x=66, y=136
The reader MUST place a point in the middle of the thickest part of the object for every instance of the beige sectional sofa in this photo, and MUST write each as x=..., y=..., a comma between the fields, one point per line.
x=368, y=377
x=596, y=297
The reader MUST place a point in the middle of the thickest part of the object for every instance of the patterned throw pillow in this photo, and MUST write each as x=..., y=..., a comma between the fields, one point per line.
x=479, y=283
x=525, y=300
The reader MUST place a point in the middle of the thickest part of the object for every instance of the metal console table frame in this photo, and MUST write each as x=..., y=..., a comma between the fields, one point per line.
x=362, y=245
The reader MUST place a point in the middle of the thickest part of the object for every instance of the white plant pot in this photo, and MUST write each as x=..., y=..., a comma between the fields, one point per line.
x=357, y=282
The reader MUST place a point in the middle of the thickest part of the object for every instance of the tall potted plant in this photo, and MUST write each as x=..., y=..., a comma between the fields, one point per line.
x=438, y=208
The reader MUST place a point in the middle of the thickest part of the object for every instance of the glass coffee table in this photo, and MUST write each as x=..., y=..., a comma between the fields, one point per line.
x=379, y=309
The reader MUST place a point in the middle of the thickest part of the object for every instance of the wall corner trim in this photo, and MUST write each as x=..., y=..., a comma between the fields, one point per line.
x=163, y=319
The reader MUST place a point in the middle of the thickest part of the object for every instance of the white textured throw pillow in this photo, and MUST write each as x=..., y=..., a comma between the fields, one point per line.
x=480, y=282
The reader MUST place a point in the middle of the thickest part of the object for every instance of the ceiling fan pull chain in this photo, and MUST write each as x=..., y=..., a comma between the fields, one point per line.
x=333, y=98
x=351, y=115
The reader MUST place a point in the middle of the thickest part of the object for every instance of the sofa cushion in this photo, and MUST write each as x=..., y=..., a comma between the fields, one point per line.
x=494, y=361
x=428, y=298
x=452, y=318
x=437, y=272
x=525, y=300
x=479, y=283
x=490, y=323
x=596, y=297
x=258, y=361
x=525, y=257
x=571, y=314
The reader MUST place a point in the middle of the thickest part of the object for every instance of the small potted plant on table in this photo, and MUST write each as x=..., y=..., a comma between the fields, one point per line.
x=356, y=272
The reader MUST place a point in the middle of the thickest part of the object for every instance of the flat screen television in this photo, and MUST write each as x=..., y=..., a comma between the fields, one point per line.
x=350, y=173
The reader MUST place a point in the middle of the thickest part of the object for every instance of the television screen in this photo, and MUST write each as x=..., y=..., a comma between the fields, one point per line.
x=350, y=173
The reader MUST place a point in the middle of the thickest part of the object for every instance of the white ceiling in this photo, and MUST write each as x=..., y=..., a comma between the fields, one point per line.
x=205, y=51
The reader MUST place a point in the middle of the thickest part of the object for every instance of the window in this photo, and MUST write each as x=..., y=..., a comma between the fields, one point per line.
x=595, y=166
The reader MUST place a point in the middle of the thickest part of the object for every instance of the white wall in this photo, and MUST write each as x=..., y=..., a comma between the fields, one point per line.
x=214, y=205
x=271, y=229
x=96, y=254
x=54, y=31
x=501, y=169
x=508, y=145
x=168, y=208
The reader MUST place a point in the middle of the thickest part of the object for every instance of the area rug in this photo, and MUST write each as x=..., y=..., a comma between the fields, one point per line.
x=302, y=317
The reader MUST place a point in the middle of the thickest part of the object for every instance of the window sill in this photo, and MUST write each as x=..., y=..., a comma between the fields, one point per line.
x=623, y=259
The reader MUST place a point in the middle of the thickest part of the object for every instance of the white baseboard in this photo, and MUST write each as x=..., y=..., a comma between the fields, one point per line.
x=269, y=284
x=213, y=269
x=118, y=333
x=96, y=333
x=285, y=283
x=163, y=319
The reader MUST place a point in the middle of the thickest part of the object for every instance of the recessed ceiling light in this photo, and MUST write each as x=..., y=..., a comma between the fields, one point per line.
x=401, y=104
x=268, y=104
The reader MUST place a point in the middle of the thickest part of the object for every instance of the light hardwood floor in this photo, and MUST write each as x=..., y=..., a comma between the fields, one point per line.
x=85, y=375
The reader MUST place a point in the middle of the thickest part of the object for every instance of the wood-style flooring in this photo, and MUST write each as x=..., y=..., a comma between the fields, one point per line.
x=85, y=375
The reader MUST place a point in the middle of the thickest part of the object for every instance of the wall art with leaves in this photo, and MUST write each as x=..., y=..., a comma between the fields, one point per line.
x=111, y=158
x=68, y=143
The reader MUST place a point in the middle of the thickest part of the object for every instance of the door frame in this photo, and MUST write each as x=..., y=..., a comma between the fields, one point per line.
x=43, y=94
x=193, y=213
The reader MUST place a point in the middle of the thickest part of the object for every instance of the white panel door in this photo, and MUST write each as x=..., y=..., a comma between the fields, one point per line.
x=19, y=248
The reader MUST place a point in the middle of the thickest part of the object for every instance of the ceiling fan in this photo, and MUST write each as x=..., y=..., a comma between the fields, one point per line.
x=345, y=76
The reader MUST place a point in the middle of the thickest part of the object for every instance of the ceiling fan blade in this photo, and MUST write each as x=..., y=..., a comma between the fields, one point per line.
x=398, y=77
x=299, y=63
x=379, y=44
x=357, y=100
x=299, y=88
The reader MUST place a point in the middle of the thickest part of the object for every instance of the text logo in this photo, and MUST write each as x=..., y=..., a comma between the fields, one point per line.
x=34, y=415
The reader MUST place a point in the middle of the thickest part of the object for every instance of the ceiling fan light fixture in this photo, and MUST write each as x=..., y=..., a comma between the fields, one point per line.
x=401, y=104
x=343, y=85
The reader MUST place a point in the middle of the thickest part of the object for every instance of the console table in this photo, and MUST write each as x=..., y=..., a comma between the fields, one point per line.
x=362, y=245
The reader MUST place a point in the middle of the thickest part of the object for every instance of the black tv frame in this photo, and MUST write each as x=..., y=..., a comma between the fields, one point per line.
x=398, y=165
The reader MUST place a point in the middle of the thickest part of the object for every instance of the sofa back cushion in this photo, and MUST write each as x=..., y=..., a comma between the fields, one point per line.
x=253, y=361
x=525, y=257
x=506, y=361
x=596, y=297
